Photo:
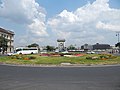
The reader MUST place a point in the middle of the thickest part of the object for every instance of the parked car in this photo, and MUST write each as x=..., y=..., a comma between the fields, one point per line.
x=65, y=52
x=9, y=54
x=90, y=52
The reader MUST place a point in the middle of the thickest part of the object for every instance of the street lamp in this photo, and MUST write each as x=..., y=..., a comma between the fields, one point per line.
x=118, y=44
x=118, y=34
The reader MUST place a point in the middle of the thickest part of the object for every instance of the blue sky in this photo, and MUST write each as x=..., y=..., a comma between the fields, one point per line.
x=54, y=7
x=45, y=21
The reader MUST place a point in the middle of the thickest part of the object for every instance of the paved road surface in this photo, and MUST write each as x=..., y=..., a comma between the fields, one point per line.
x=59, y=78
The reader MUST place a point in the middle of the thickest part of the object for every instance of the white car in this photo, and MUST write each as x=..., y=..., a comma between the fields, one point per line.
x=65, y=52
x=90, y=52
x=9, y=54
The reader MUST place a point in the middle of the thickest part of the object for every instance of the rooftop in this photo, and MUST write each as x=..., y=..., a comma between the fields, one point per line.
x=6, y=31
x=60, y=40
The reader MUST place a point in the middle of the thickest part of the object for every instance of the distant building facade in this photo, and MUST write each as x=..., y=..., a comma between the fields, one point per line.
x=9, y=35
x=87, y=47
x=98, y=46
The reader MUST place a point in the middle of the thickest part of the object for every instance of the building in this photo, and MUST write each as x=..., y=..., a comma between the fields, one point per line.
x=9, y=35
x=61, y=45
x=98, y=46
x=87, y=47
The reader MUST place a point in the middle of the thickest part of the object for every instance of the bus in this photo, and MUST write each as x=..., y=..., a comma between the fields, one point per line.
x=27, y=50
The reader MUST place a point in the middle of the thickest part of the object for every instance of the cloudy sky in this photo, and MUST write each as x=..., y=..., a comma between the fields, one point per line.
x=77, y=21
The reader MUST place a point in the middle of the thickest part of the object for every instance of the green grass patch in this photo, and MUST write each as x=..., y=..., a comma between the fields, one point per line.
x=87, y=59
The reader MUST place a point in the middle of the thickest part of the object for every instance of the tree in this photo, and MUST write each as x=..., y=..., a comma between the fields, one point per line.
x=3, y=44
x=71, y=47
x=50, y=48
x=118, y=45
x=33, y=45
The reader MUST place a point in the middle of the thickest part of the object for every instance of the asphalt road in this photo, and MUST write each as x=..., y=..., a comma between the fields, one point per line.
x=59, y=78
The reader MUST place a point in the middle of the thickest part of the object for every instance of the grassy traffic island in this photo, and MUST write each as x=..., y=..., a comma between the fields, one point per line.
x=60, y=59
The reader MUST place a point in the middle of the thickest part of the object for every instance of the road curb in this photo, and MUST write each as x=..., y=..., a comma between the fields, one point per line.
x=62, y=65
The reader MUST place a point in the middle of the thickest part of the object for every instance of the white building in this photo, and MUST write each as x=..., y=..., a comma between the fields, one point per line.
x=9, y=35
x=61, y=45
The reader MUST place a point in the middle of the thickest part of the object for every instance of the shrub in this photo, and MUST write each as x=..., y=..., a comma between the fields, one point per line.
x=107, y=56
x=32, y=57
x=89, y=58
x=16, y=57
x=26, y=58
x=62, y=54
x=22, y=57
x=104, y=57
x=101, y=57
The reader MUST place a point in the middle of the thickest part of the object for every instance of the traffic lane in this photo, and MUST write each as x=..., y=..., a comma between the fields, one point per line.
x=54, y=78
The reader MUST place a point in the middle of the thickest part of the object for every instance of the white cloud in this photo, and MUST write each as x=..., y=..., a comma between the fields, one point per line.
x=38, y=28
x=67, y=16
x=25, y=12
x=88, y=23
x=84, y=23
x=107, y=26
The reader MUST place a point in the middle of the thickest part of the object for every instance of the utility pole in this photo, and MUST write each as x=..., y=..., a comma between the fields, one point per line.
x=118, y=34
